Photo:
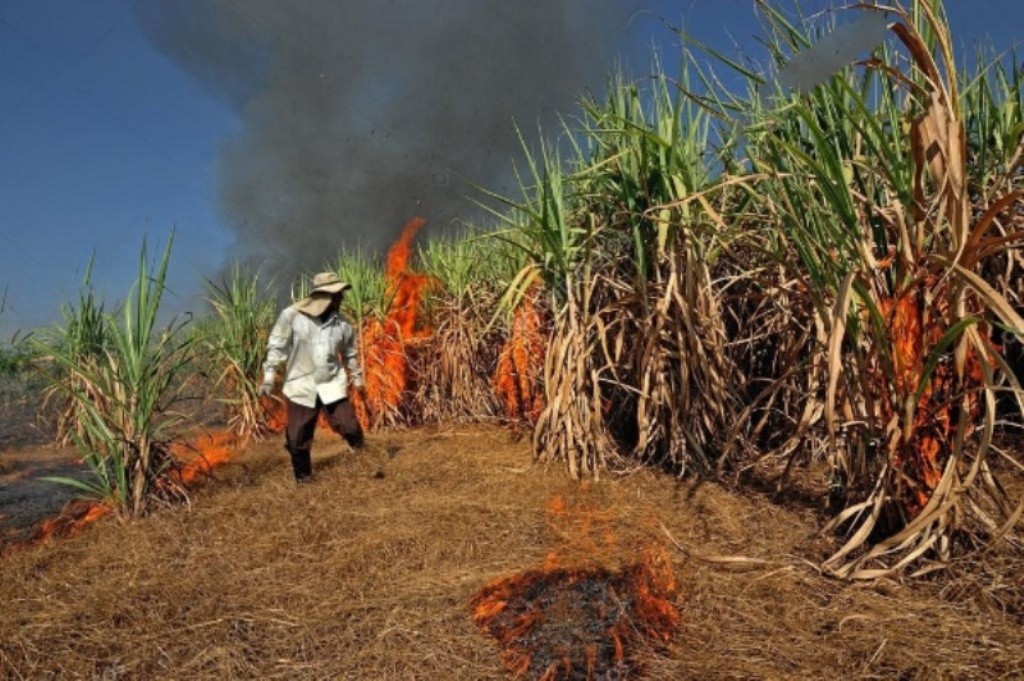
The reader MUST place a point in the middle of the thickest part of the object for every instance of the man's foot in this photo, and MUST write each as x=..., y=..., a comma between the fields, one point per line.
x=302, y=464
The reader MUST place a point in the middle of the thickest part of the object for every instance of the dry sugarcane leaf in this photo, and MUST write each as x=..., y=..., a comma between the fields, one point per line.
x=919, y=52
x=835, y=343
x=847, y=513
x=992, y=297
x=864, y=574
x=1011, y=378
x=997, y=245
x=988, y=425
x=941, y=500
x=985, y=222
x=876, y=503
x=933, y=141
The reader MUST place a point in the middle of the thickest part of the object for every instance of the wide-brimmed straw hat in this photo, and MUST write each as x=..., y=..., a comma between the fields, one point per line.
x=325, y=286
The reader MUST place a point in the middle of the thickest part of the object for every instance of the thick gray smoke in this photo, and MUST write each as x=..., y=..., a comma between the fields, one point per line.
x=359, y=114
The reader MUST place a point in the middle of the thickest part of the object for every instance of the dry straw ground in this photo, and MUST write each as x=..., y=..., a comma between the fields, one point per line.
x=367, y=573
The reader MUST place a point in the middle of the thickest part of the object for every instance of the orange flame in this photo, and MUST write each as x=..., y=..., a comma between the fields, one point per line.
x=584, y=620
x=914, y=329
x=196, y=459
x=202, y=455
x=386, y=342
x=565, y=623
x=274, y=414
x=77, y=514
x=276, y=417
x=517, y=376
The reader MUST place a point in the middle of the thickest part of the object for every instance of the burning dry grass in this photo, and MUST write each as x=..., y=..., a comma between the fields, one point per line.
x=574, y=617
x=200, y=456
x=369, y=574
x=194, y=459
x=580, y=623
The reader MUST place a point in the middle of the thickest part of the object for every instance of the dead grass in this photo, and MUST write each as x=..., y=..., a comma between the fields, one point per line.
x=367, y=574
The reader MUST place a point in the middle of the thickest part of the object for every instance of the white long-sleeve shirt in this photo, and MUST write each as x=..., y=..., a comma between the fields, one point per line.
x=312, y=350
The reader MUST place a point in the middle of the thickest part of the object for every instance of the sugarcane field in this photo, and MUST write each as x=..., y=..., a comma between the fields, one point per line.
x=717, y=376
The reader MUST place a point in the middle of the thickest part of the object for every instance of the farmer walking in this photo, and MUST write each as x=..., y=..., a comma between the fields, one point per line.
x=312, y=338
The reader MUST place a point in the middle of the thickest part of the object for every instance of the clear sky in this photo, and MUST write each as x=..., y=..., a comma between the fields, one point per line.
x=104, y=141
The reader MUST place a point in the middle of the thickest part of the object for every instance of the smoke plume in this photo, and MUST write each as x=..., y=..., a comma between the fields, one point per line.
x=358, y=114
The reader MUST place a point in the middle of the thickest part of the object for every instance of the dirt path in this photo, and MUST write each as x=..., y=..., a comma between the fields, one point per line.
x=368, y=574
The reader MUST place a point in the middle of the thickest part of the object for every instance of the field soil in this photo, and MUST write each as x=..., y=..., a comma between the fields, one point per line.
x=368, y=573
x=27, y=456
x=26, y=497
x=25, y=416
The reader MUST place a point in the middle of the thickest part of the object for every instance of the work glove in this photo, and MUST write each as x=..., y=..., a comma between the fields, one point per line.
x=266, y=388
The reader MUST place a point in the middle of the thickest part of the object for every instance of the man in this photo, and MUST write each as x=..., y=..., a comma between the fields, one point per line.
x=311, y=337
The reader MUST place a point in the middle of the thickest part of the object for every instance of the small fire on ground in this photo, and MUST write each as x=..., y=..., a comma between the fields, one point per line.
x=196, y=459
x=586, y=621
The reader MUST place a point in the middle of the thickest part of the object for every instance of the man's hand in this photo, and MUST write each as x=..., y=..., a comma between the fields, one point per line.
x=266, y=388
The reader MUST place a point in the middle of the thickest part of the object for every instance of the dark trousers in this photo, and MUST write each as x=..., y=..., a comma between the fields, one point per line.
x=302, y=424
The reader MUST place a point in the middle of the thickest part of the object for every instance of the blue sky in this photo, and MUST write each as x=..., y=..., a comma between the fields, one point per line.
x=104, y=141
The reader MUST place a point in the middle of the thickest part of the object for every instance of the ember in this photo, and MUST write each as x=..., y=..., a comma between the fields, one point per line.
x=521, y=362
x=558, y=623
x=574, y=617
x=921, y=455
